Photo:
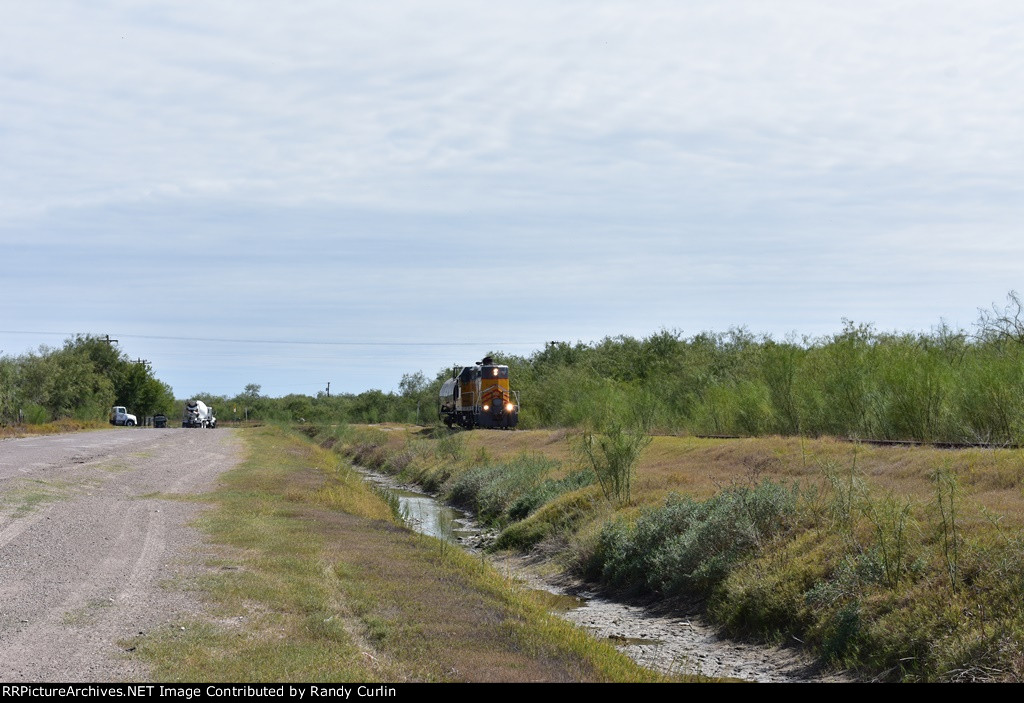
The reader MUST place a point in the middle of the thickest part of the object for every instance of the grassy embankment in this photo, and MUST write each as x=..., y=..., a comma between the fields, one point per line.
x=316, y=580
x=898, y=562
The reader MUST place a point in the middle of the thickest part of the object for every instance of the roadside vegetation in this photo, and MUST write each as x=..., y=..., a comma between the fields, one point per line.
x=58, y=427
x=944, y=385
x=74, y=387
x=314, y=578
x=898, y=563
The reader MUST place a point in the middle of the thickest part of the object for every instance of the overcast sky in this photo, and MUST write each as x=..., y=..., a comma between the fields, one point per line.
x=406, y=185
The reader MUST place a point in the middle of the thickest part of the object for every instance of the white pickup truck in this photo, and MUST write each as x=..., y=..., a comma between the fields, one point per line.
x=119, y=415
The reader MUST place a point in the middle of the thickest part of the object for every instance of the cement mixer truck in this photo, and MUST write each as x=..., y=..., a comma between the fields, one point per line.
x=197, y=414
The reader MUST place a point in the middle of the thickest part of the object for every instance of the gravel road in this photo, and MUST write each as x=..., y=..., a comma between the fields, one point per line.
x=89, y=540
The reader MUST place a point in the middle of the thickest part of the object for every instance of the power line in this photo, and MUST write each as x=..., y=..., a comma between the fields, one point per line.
x=337, y=343
x=345, y=343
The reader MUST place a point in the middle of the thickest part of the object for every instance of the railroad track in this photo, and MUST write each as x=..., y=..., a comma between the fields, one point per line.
x=895, y=442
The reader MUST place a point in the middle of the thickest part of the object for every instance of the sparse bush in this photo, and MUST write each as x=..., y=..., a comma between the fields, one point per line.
x=947, y=499
x=451, y=446
x=890, y=519
x=611, y=456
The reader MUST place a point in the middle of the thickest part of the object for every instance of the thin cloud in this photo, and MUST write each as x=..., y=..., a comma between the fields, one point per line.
x=568, y=170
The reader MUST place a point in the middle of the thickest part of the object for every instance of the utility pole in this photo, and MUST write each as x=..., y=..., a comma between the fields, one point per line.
x=108, y=340
x=328, y=389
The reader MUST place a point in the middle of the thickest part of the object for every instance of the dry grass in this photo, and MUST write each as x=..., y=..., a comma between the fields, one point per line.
x=992, y=478
x=57, y=427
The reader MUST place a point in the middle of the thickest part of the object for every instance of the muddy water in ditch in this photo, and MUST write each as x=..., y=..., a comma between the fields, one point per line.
x=425, y=514
x=674, y=644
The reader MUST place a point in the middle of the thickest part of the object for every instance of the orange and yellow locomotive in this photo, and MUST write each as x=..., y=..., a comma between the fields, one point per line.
x=479, y=396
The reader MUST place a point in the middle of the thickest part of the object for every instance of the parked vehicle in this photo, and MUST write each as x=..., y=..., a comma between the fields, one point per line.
x=119, y=415
x=159, y=421
x=197, y=414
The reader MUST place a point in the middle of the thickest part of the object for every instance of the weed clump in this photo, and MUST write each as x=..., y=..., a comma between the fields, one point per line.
x=490, y=491
x=547, y=491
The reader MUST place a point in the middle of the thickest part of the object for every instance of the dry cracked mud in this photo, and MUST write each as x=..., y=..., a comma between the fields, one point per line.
x=671, y=642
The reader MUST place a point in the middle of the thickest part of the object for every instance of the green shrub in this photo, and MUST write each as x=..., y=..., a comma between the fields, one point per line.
x=687, y=546
x=36, y=414
x=547, y=491
x=561, y=516
x=489, y=491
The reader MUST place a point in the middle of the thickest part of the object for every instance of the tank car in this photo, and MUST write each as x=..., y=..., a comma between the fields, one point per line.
x=479, y=396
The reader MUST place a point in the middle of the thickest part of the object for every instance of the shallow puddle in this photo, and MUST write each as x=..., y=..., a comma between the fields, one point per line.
x=557, y=602
x=619, y=640
x=424, y=514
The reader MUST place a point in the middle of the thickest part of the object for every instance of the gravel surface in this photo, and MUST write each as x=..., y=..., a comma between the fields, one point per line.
x=89, y=541
x=672, y=643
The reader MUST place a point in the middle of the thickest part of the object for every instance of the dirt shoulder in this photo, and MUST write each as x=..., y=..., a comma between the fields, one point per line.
x=90, y=534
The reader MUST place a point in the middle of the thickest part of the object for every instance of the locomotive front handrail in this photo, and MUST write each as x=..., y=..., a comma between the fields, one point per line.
x=471, y=398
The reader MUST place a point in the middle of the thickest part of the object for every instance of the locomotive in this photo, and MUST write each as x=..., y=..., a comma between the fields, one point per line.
x=479, y=396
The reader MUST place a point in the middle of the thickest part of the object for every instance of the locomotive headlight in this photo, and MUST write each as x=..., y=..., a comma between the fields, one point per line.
x=495, y=372
x=486, y=407
x=509, y=407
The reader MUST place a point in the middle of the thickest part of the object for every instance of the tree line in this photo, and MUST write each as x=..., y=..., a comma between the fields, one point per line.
x=82, y=380
x=946, y=384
